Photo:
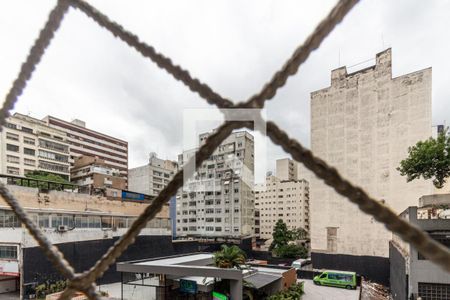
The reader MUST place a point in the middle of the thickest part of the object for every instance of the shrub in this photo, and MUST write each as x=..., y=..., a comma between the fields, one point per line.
x=294, y=292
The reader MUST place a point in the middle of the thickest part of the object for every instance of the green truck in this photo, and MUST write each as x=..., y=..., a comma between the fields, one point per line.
x=336, y=278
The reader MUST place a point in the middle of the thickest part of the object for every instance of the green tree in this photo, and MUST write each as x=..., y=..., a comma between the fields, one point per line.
x=229, y=257
x=281, y=235
x=299, y=234
x=429, y=159
x=291, y=251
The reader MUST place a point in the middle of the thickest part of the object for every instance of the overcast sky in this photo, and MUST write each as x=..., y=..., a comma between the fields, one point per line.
x=234, y=46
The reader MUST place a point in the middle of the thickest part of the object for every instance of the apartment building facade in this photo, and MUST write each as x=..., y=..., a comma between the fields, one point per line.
x=28, y=144
x=93, y=175
x=363, y=125
x=218, y=201
x=152, y=178
x=84, y=141
x=286, y=200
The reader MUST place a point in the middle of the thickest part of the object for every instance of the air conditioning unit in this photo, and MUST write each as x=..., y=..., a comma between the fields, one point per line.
x=63, y=228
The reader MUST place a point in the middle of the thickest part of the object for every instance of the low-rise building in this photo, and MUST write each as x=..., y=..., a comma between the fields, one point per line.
x=28, y=144
x=412, y=276
x=194, y=275
x=93, y=175
x=82, y=226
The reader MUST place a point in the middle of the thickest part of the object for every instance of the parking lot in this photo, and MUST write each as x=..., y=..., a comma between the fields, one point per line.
x=316, y=292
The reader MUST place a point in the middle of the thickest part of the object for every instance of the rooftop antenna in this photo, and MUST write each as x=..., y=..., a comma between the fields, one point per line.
x=339, y=58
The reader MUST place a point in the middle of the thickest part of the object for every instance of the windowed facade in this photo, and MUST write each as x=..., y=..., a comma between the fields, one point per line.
x=8, y=252
x=12, y=148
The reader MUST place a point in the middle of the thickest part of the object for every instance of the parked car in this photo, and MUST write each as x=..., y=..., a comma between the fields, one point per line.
x=337, y=279
x=300, y=263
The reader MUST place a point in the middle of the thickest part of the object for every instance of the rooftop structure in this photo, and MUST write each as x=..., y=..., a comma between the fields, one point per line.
x=167, y=275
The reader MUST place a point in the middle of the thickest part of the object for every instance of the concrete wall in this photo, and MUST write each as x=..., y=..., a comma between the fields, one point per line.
x=398, y=276
x=31, y=198
x=83, y=255
x=363, y=125
x=371, y=267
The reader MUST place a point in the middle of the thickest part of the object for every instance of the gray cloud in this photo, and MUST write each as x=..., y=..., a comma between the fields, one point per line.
x=234, y=46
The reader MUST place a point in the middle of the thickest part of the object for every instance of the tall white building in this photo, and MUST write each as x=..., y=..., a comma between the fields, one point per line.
x=363, y=125
x=286, y=169
x=29, y=144
x=218, y=201
x=88, y=142
x=282, y=199
x=153, y=177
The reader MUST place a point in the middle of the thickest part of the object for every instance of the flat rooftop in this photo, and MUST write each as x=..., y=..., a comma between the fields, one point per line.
x=179, y=260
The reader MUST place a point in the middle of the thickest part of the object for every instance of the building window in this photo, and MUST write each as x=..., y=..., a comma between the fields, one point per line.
x=13, y=148
x=26, y=129
x=53, y=146
x=29, y=162
x=12, y=171
x=53, y=167
x=28, y=140
x=8, y=252
x=53, y=156
x=8, y=219
x=12, y=159
x=10, y=125
x=12, y=136
x=434, y=290
x=29, y=151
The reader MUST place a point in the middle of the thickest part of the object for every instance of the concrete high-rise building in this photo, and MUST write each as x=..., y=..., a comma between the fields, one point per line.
x=29, y=144
x=153, y=177
x=363, y=125
x=218, y=201
x=286, y=200
x=286, y=169
x=84, y=141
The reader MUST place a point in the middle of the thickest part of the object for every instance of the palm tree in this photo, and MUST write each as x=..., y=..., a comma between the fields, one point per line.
x=229, y=257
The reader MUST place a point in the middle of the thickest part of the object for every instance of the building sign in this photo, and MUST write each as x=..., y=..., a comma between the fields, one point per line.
x=219, y=296
x=9, y=268
x=132, y=196
x=188, y=286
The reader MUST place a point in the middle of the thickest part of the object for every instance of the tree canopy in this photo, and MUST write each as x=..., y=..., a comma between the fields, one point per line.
x=229, y=257
x=282, y=236
x=429, y=159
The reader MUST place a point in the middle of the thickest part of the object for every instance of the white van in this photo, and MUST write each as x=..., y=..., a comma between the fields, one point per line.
x=299, y=263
